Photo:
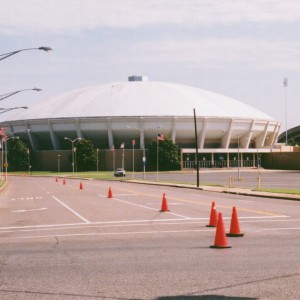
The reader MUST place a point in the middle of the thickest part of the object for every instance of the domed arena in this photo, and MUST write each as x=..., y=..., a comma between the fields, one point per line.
x=114, y=113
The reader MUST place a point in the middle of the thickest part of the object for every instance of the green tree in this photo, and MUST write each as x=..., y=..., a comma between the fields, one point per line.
x=17, y=155
x=168, y=156
x=86, y=155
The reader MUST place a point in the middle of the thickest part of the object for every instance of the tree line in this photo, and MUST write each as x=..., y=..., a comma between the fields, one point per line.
x=164, y=152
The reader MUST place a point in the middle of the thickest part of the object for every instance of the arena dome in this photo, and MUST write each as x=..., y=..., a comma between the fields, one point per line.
x=113, y=113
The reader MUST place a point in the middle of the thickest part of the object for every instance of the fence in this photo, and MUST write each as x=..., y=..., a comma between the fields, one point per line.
x=218, y=164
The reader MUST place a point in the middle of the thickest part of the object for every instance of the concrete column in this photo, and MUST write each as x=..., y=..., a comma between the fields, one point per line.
x=110, y=134
x=54, y=138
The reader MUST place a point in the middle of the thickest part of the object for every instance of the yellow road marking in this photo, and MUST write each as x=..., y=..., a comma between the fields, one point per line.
x=204, y=204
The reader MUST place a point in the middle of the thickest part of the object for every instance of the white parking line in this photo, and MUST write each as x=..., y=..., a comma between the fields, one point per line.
x=280, y=228
x=155, y=203
x=140, y=223
x=28, y=210
x=105, y=234
x=71, y=210
x=147, y=207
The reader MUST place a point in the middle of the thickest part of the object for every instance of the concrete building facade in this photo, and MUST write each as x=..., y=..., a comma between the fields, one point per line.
x=119, y=112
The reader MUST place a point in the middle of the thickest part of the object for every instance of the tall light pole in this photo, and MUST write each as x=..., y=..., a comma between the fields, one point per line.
x=97, y=151
x=58, y=163
x=133, y=143
x=144, y=156
x=159, y=137
x=196, y=142
x=4, y=96
x=238, y=137
x=6, y=55
x=285, y=84
x=73, y=155
x=28, y=158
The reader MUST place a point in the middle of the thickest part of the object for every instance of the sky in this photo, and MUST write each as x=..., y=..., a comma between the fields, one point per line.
x=240, y=48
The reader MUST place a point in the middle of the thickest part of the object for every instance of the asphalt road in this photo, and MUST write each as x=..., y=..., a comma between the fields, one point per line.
x=276, y=179
x=60, y=242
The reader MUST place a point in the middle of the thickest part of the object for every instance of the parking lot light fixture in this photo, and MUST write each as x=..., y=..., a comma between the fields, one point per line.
x=73, y=156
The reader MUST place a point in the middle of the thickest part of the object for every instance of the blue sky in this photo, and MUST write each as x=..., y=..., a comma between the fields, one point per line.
x=239, y=48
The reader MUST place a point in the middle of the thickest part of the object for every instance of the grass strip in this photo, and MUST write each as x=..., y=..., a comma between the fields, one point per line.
x=279, y=191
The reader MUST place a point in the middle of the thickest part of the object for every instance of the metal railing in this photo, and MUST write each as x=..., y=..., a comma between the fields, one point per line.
x=218, y=164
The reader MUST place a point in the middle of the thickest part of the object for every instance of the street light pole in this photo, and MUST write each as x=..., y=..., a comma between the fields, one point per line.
x=133, y=143
x=238, y=137
x=73, y=156
x=97, y=159
x=285, y=84
x=6, y=55
x=58, y=163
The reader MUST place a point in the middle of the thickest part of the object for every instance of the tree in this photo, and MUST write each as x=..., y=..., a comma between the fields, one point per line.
x=168, y=156
x=86, y=155
x=18, y=154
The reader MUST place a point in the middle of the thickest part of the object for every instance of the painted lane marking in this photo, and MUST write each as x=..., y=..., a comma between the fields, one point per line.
x=93, y=225
x=71, y=210
x=105, y=234
x=26, y=198
x=138, y=222
x=281, y=228
x=150, y=208
x=128, y=224
x=29, y=210
x=155, y=203
x=206, y=204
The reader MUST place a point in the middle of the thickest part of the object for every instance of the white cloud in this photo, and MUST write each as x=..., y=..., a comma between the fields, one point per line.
x=73, y=16
x=217, y=53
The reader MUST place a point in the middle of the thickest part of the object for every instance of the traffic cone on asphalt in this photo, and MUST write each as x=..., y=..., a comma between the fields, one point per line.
x=234, y=225
x=80, y=186
x=213, y=216
x=220, y=238
x=64, y=181
x=56, y=180
x=164, y=204
x=110, y=195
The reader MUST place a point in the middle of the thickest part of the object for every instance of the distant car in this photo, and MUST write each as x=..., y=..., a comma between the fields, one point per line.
x=120, y=173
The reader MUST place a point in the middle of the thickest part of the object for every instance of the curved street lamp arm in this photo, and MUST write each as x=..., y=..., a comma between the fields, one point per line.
x=4, y=110
x=4, y=96
x=6, y=55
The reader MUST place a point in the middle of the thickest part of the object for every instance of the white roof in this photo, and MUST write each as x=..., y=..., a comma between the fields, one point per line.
x=137, y=98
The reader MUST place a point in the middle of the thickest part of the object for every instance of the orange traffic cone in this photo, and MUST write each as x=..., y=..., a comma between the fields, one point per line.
x=64, y=181
x=220, y=238
x=164, y=204
x=80, y=186
x=234, y=225
x=56, y=180
x=213, y=216
x=110, y=195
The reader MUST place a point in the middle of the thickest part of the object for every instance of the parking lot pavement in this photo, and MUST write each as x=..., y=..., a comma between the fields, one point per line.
x=58, y=240
x=218, y=181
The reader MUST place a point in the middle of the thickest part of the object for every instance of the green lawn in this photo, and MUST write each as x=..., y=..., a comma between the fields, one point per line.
x=280, y=191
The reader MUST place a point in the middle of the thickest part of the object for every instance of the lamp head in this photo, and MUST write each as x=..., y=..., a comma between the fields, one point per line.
x=37, y=89
x=45, y=48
